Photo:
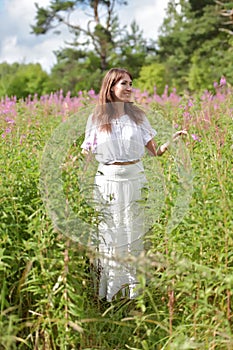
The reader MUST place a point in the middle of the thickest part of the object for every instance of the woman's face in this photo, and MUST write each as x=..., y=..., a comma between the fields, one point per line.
x=122, y=90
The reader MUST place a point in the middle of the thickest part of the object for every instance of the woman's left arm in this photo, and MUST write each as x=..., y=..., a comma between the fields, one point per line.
x=155, y=151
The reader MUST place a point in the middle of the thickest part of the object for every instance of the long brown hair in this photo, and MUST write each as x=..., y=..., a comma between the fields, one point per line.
x=106, y=109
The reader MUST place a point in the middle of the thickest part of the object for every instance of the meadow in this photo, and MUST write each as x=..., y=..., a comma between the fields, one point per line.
x=186, y=274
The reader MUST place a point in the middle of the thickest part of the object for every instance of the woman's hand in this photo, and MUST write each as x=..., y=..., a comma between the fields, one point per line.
x=84, y=151
x=162, y=149
x=152, y=147
x=178, y=134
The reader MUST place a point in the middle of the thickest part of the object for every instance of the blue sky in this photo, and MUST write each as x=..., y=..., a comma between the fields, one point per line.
x=18, y=45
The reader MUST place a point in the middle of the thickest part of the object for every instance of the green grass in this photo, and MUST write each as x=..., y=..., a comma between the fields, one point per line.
x=185, y=302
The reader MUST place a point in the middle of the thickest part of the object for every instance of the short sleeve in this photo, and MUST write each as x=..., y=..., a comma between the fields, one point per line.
x=147, y=131
x=90, y=140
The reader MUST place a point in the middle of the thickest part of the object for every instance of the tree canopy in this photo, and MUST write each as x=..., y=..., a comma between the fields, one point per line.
x=193, y=45
x=101, y=32
x=22, y=80
x=193, y=50
x=95, y=47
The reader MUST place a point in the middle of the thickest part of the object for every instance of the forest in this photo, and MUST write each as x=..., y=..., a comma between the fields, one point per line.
x=182, y=81
x=192, y=51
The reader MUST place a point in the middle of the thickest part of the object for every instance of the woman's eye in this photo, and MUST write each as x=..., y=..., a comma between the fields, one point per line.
x=124, y=83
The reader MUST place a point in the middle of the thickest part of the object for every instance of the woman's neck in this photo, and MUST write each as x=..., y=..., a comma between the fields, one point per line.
x=120, y=108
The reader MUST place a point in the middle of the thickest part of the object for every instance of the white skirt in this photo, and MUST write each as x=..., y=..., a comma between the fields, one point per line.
x=118, y=191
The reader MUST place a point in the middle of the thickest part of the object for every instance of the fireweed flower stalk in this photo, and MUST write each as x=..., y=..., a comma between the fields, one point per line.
x=190, y=274
x=8, y=113
x=195, y=137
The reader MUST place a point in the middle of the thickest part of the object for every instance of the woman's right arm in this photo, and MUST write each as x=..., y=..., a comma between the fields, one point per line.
x=89, y=143
x=85, y=152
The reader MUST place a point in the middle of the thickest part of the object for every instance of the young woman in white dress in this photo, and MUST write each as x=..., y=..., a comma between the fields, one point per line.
x=117, y=133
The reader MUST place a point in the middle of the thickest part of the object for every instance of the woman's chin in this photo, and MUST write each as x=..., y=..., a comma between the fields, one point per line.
x=128, y=100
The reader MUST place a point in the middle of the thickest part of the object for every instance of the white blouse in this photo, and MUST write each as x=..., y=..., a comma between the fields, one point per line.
x=125, y=142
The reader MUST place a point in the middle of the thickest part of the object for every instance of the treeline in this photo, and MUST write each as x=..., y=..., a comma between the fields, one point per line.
x=194, y=48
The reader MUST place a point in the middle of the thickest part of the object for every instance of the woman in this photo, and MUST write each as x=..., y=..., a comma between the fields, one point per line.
x=117, y=133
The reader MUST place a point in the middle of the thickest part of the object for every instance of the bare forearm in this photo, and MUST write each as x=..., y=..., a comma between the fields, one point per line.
x=159, y=151
x=154, y=150
x=162, y=149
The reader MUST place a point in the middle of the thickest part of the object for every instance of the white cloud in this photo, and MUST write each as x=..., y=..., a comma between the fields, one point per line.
x=18, y=45
x=41, y=52
x=148, y=14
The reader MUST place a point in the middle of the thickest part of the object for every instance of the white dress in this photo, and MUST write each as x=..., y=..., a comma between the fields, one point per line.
x=117, y=193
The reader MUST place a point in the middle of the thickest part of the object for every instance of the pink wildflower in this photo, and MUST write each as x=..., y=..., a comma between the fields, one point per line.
x=223, y=81
x=195, y=137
